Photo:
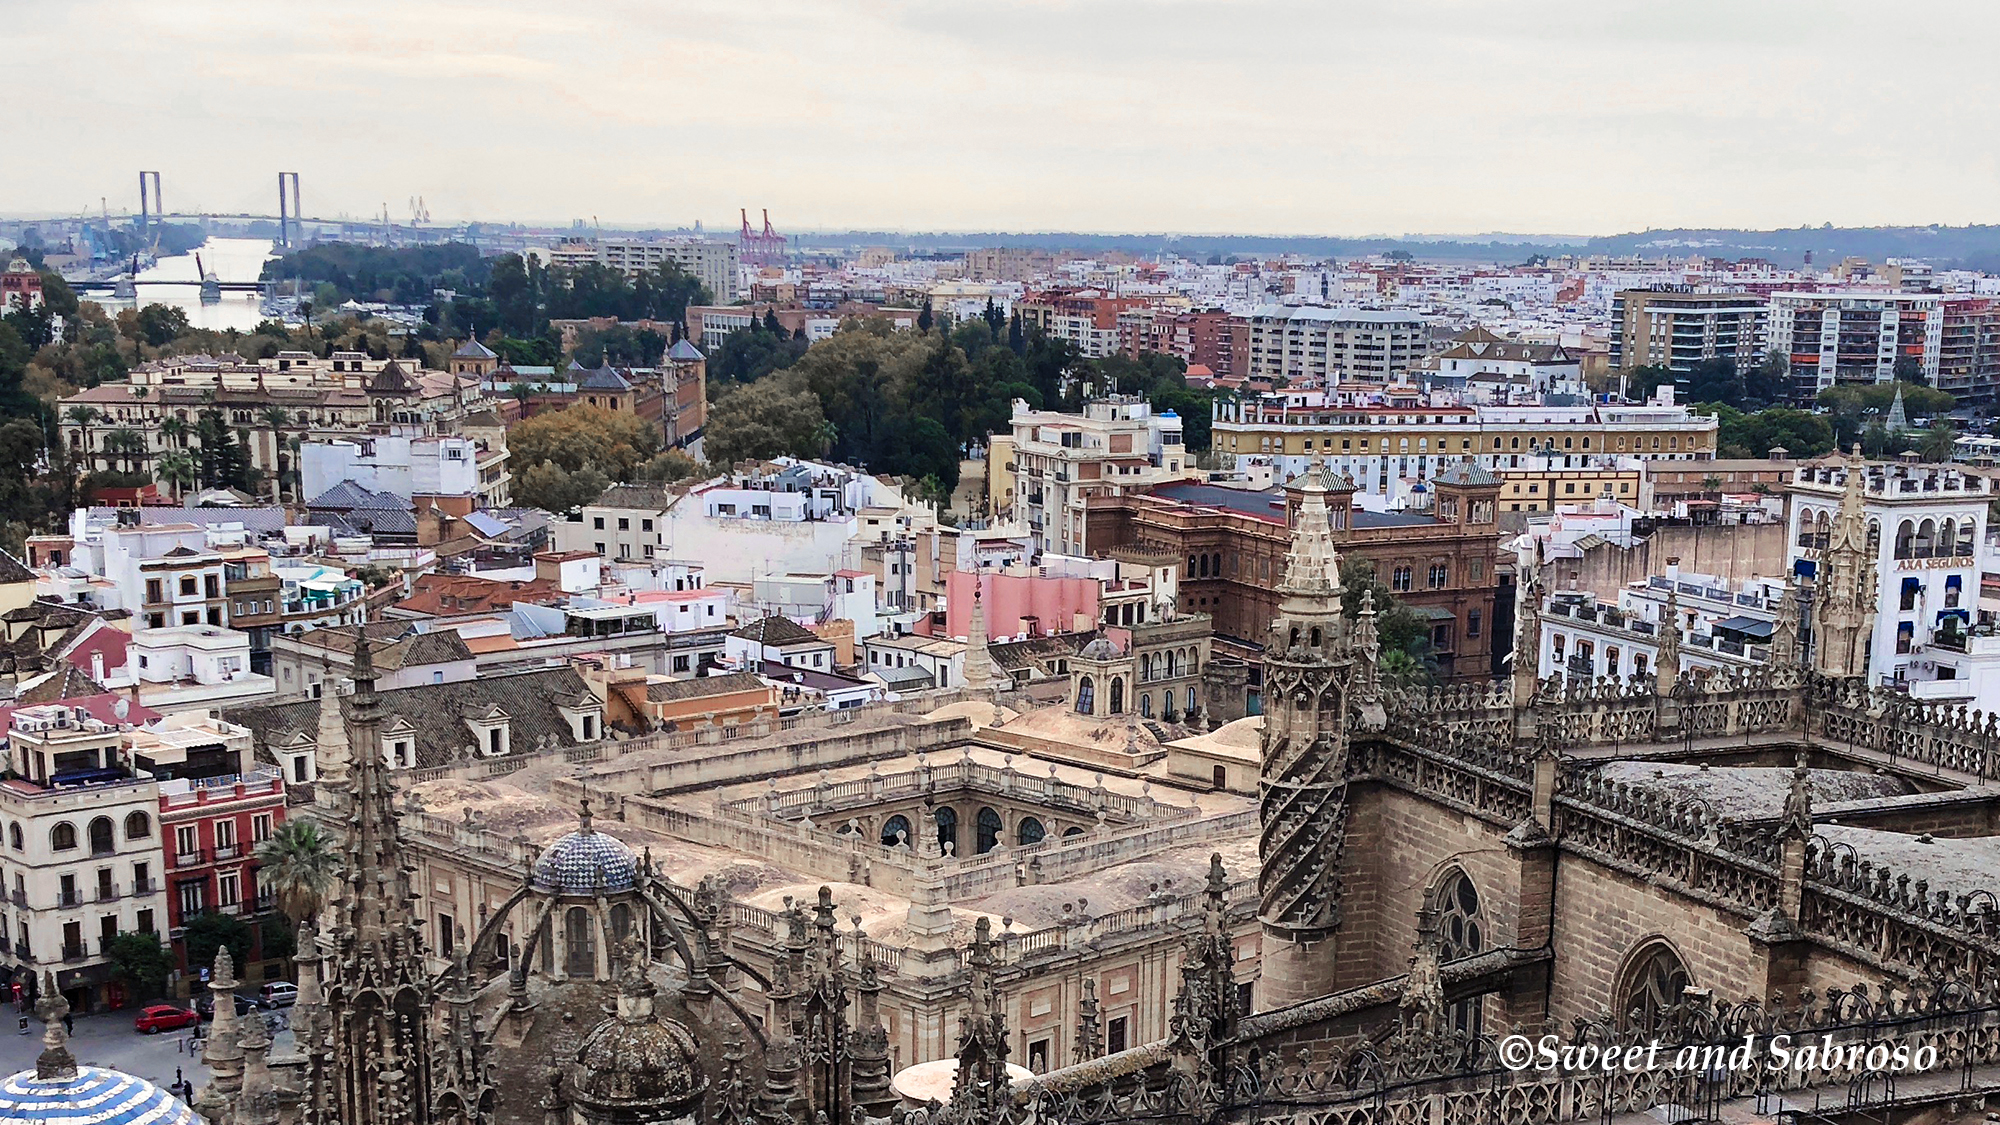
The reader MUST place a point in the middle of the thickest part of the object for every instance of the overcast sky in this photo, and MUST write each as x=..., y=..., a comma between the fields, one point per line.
x=1323, y=117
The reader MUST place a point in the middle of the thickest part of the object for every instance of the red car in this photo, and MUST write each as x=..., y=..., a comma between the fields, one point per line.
x=164, y=1017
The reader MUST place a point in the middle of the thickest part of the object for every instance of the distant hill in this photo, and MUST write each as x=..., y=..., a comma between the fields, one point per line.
x=1971, y=247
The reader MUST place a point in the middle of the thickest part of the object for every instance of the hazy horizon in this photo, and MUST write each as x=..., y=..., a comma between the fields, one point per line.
x=1290, y=119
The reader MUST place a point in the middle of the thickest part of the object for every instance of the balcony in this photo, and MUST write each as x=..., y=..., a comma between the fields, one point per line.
x=228, y=851
x=18, y=898
x=68, y=898
x=142, y=887
x=75, y=952
x=194, y=858
x=229, y=908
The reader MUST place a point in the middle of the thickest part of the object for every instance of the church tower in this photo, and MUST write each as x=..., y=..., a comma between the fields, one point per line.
x=1302, y=799
x=378, y=1063
x=1845, y=609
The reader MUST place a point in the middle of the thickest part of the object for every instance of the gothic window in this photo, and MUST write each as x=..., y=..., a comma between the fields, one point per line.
x=1400, y=580
x=1653, y=982
x=895, y=831
x=1461, y=928
x=989, y=830
x=1086, y=693
x=947, y=827
x=1439, y=575
x=1030, y=832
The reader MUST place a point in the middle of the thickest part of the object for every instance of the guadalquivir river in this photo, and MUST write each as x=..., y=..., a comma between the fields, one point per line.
x=230, y=259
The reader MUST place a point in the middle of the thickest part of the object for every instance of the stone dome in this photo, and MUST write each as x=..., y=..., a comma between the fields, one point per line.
x=91, y=1094
x=637, y=1065
x=1099, y=649
x=585, y=862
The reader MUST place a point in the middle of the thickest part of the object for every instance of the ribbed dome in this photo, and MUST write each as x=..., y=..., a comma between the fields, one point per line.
x=639, y=1063
x=1099, y=649
x=583, y=863
x=99, y=1097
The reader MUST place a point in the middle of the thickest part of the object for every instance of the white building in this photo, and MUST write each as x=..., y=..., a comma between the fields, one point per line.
x=1060, y=460
x=1309, y=343
x=406, y=465
x=1927, y=525
x=1722, y=625
x=711, y=261
x=83, y=857
x=191, y=667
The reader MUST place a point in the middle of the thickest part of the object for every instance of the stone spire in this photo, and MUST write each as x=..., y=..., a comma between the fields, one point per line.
x=1785, y=630
x=1528, y=641
x=1312, y=565
x=1797, y=820
x=1667, y=665
x=55, y=1061
x=224, y=1053
x=1089, y=1032
x=868, y=1057
x=1310, y=669
x=379, y=1065
x=981, y=1092
x=980, y=671
x=1845, y=606
x=332, y=755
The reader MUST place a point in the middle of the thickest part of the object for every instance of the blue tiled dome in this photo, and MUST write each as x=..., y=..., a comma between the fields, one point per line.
x=99, y=1097
x=583, y=863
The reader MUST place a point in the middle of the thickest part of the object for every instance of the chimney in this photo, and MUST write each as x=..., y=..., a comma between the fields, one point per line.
x=1674, y=569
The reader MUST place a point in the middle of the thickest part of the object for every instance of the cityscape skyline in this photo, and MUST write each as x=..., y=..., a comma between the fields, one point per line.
x=1433, y=118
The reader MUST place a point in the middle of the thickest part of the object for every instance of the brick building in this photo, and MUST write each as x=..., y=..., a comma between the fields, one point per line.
x=1233, y=544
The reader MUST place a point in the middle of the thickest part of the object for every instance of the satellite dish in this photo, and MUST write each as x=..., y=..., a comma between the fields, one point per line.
x=121, y=708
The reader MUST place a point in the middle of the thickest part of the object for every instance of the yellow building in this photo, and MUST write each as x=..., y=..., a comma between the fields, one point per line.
x=1405, y=438
x=1542, y=490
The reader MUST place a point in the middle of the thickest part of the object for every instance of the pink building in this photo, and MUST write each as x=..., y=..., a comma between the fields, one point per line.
x=1019, y=605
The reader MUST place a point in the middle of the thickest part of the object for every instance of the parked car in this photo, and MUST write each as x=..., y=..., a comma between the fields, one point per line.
x=164, y=1017
x=206, y=1005
x=279, y=994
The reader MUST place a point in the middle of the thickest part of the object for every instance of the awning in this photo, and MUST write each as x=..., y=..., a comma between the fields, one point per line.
x=1436, y=613
x=1748, y=626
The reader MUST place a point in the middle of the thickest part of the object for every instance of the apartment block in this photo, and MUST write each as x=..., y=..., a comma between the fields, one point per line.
x=1060, y=460
x=713, y=262
x=1679, y=327
x=1856, y=337
x=1311, y=344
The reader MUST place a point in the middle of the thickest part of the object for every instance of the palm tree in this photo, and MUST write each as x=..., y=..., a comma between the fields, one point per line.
x=175, y=429
x=275, y=417
x=177, y=469
x=298, y=867
x=128, y=444
x=83, y=416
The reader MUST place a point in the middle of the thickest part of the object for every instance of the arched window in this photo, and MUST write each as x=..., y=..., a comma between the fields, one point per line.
x=1146, y=705
x=1072, y=830
x=1875, y=536
x=138, y=826
x=1926, y=541
x=621, y=923
x=895, y=831
x=947, y=827
x=1906, y=532
x=1191, y=703
x=1654, y=980
x=989, y=830
x=14, y=837
x=1086, y=696
x=579, y=944
x=63, y=836
x=101, y=842
x=1031, y=831
x=1117, y=695
x=1399, y=580
x=1316, y=637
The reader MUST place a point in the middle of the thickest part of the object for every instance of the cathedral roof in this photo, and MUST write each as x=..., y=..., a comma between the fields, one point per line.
x=638, y=1065
x=93, y=1095
x=683, y=351
x=473, y=349
x=585, y=862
